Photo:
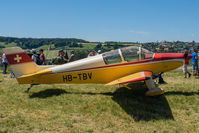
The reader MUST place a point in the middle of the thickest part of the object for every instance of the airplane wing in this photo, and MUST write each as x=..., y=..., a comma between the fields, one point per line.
x=136, y=77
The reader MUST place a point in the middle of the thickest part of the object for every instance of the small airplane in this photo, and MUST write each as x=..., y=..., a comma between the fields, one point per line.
x=121, y=66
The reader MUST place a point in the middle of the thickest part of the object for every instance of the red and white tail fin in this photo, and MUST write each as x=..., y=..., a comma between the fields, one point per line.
x=20, y=62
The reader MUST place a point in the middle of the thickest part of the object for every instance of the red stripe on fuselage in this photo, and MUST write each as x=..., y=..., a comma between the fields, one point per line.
x=18, y=58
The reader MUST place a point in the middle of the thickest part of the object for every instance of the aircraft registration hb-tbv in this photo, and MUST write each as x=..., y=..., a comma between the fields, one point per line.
x=121, y=66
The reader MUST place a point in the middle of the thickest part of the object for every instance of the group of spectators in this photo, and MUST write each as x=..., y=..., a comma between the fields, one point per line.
x=62, y=57
x=39, y=59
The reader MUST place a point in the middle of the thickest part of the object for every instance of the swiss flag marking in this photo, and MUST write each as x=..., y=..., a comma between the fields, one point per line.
x=18, y=58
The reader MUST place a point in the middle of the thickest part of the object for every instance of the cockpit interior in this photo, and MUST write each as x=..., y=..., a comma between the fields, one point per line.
x=127, y=54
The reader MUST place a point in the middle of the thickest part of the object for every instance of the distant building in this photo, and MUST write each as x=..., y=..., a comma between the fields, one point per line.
x=166, y=49
x=157, y=49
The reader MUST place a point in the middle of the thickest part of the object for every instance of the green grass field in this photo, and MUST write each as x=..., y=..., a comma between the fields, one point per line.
x=99, y=108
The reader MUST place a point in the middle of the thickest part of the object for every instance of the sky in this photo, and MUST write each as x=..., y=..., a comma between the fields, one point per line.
x=101, y=20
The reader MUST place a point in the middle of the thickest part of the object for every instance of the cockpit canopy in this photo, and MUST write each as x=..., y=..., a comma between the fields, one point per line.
x=127, y=54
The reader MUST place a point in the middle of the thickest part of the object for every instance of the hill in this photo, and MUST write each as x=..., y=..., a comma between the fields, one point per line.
x=29, y=43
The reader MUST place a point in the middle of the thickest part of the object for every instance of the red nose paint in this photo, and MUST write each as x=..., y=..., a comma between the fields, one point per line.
x=167, y=56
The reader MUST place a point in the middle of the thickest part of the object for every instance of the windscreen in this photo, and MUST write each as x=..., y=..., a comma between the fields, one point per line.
x=112, y=57
x=127, y=54
x=130, y=53
x=146, y=54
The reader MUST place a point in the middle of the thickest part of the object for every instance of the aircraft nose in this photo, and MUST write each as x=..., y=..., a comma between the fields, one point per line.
x=167, y=56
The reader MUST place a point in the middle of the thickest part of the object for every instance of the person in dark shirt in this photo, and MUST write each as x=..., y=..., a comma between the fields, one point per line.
x=35, y=57
x=61, y=58
x=64, y=56
x=186, y=63
x=42, y=57
x=72, y=56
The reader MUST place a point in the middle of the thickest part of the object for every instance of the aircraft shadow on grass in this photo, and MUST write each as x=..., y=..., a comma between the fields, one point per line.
x=134, y=102
x=48, y=93
x=181, y=93
x=140, y=107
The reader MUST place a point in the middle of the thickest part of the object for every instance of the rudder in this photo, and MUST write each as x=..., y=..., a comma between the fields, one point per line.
x=20, y=62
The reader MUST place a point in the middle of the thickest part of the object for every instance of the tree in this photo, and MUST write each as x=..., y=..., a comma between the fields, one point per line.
x=116, y=46
x=108, y=45
x=98, y=46
x=80, y=45
x=60, y=44
x=80, y=54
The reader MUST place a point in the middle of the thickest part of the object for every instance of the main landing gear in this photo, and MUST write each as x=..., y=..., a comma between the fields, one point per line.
x=27, y=90
x=153, y=90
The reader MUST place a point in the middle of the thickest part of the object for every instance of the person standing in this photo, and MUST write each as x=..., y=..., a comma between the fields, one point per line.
x=194, y=61
x=1, y=60
x=5, y=63
x=91, y=54
x=72, y=56
x=64, y=56
x=99, y=51
x=35, y=57
x=186, y=63
x=42, y=57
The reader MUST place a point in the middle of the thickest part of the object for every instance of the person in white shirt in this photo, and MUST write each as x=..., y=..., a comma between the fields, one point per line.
x=5, y=63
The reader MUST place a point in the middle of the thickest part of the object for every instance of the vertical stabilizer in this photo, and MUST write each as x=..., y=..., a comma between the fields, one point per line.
x=20, y=62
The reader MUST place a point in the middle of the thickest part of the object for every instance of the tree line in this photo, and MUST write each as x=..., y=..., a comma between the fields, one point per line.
x=28, y=43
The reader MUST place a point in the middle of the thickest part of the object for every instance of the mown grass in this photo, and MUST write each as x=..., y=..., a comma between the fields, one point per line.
x=99, y=108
